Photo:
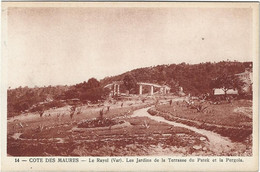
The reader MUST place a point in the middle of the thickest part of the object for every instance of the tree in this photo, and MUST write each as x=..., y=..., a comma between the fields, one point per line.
x=93, y=83
x=71, y=94
x=129, y=82
x=94, y=94
x=227, y=82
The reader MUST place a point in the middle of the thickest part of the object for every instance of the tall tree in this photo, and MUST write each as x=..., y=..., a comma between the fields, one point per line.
x=227, y=82
x=129, y=82
x=93, y=83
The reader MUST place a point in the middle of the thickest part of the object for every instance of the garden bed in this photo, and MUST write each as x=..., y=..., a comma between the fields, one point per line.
x=234, y=133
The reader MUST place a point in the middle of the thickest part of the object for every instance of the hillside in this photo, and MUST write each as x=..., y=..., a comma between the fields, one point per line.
x=195, y=79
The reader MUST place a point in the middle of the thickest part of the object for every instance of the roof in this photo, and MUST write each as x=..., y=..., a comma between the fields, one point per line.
x=149, y=84
x=114, y=82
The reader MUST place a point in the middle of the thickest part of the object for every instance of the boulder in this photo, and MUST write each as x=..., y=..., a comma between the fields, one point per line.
x=202, y=139
x=197, y=147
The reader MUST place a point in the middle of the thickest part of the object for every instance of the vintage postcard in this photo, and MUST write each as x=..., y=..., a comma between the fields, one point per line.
x=129, y=86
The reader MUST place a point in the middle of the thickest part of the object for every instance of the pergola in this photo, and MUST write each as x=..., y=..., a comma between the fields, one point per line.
x=115, y=87
x=163, y=88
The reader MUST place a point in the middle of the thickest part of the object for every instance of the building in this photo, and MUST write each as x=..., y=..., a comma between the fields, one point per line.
x=163, y=89
x=219, y=92
x=247, y=78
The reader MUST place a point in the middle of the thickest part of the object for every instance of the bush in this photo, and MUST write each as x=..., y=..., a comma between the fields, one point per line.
x=97, y=122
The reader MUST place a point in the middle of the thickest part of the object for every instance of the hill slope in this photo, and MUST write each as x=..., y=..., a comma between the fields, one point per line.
x=194, y=79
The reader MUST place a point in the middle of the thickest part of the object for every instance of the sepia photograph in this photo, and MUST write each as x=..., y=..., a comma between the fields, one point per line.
x=130, y=80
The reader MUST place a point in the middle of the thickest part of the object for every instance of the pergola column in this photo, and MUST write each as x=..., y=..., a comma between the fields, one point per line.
x=164, y=90
x=151, y=89
x=117, y=91
x=114, y=89
x=140, y=89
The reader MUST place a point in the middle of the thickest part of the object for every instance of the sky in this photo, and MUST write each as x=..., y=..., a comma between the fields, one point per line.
x=65, y=46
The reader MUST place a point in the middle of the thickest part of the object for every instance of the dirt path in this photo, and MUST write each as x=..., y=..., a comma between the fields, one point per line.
x=217, y=143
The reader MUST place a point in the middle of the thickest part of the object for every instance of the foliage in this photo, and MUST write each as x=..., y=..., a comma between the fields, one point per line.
x=90, y=90
x=129, y=82
x=227, y=82
x=93, y=83
x=23, y=98
x=94, y=94
x=97, y=122
x=43, y=98
x=193, y=78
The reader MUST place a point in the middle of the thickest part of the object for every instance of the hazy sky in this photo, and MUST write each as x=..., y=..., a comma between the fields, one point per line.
x=50, y=46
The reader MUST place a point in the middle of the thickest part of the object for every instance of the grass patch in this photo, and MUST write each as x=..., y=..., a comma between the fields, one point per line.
x=222, y=114
x=221, y=118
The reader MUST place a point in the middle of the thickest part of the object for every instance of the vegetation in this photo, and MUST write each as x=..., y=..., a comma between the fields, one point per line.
x=22, y=99
x=84, y=129
x=227, y=82
x=226, y=119
x=130, y=82
x=59, y=135
x=97, y=122
x=194, y=79
x=38, y=99
x=222, y=114
x=57, y=138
